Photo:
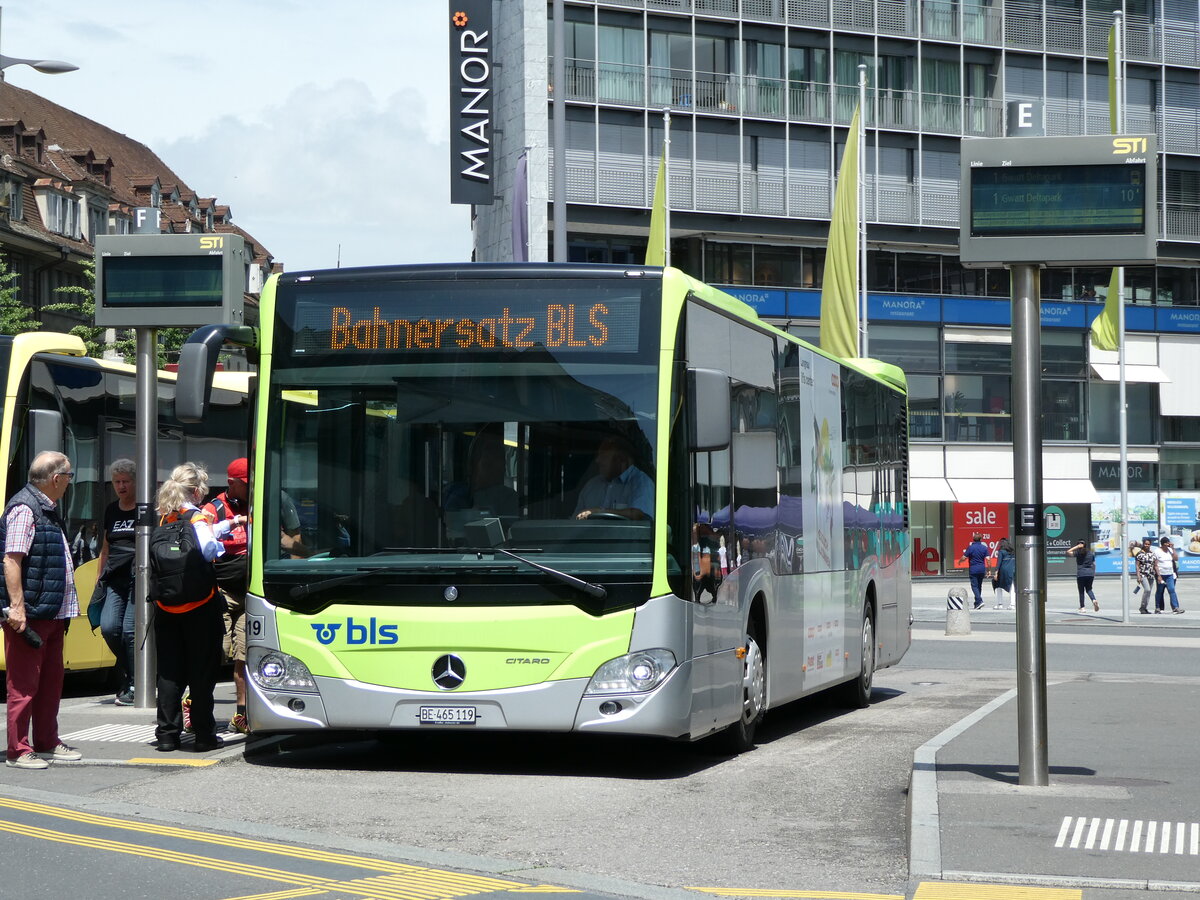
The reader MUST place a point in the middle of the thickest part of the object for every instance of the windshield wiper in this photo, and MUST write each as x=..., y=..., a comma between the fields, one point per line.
x=592, y=590
x=304, y=590
x=315, y=587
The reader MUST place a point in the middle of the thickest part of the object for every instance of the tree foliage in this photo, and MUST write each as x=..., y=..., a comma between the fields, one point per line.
x=15, y=316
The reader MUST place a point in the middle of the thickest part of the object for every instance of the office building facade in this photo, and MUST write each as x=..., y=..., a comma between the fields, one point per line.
x=760, y=94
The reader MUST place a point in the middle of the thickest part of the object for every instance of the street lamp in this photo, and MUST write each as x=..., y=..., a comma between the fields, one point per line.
x=46, y=66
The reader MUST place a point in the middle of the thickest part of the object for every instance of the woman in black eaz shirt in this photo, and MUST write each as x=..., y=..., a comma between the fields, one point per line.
x=114, y=589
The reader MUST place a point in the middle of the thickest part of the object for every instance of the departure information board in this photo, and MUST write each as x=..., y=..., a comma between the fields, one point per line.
x=1050, y=200
x=1059, y=201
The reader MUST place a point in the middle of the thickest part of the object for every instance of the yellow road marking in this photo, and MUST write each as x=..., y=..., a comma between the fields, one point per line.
x=159, y=761
x=315, y=854
x=402, y=881
x=950, y=890
x=282, y=895
x=804, y=895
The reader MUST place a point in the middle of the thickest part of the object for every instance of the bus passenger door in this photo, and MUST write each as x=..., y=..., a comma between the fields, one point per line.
x=711, y=581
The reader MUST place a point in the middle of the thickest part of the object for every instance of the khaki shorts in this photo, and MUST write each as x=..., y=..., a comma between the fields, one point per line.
x=235, y=627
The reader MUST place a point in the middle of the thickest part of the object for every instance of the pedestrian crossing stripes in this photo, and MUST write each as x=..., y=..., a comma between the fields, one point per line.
x=123, y=734
x=1129, y=836
x=126, y=734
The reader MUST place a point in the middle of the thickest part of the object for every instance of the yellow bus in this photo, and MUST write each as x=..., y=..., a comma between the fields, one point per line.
x=57, y=398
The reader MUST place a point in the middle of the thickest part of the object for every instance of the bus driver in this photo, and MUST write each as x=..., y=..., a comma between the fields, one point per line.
x=618, y=487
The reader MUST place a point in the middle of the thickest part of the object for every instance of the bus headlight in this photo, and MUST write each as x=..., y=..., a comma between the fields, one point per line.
x=278, y=671
x=632, y=673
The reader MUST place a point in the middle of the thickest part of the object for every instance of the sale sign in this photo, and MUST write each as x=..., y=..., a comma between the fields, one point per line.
x=987, y=519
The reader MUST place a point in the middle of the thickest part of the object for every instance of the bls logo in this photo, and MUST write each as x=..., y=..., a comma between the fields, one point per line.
x=357, y=633
x=1123, y=146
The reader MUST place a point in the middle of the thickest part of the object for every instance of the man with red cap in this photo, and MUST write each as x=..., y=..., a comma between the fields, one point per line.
x=233, y=503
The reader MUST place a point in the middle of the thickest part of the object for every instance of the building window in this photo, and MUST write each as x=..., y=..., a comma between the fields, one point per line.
x=924, y=404
x=881, y=270
x=1064, y=354
x=1142, y=406
x=62, y=214
x=97, y=221
x=1062, y=410
x=918, y=273
x=914, y=348
x=978, y=408
x=15, y=194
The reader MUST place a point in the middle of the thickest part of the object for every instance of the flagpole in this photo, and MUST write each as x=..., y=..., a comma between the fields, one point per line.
x=861, y=137
x=666, y=185
x=1123, y=413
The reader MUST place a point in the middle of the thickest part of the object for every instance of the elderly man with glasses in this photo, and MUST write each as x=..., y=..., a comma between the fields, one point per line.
x=39, y=593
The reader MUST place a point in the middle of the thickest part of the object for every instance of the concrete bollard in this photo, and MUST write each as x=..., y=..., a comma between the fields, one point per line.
x=958, y=611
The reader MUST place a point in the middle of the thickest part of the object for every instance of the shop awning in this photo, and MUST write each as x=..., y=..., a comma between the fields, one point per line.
x=1133, y=374
x=935, y=489
x=1001, y=490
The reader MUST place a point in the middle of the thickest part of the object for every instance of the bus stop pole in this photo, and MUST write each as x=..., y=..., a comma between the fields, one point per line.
x=1031, y=553
x=145, y=664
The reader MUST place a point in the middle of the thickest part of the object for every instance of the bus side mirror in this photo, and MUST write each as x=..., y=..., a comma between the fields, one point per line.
x=44, y=431
x=198, y=361
x=708, y=399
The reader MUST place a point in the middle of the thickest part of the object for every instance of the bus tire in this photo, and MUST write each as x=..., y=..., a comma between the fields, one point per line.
x=856, y=694
x=739, y=737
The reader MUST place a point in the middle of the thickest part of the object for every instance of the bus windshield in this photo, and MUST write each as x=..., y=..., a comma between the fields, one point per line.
x=431, y=460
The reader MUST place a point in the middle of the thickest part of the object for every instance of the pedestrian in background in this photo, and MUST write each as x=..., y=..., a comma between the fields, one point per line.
x=114, y=589
x=1006, y=570
x=976, y=556
x=1164, y=558
x=233, y=504
x=1085, y=574
x=39, y=591
x=1144, y=569
x=189, y=635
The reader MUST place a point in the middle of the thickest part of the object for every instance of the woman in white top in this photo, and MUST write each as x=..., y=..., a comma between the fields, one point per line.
x=189, y=633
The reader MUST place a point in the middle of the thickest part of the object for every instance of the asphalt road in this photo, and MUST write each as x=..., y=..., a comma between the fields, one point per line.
x=820, y=805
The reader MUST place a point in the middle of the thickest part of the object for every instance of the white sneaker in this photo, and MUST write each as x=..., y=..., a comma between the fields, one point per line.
x=62, y=752
x=27, y=760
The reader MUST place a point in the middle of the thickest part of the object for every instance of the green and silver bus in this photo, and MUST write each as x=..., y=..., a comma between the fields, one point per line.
x=559, y=498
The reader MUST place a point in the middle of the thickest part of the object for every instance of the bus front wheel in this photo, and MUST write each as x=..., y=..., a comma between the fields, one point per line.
x=739, y=737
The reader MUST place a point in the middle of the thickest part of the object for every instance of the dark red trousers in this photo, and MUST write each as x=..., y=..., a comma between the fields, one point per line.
x=35, y=681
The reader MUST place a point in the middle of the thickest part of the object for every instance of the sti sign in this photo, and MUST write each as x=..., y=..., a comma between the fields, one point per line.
x=471, y=101
x=169, y=280
x=1059, y=201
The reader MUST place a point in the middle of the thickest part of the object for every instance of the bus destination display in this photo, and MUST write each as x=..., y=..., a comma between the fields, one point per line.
x=581, y=324
x=1058, y=200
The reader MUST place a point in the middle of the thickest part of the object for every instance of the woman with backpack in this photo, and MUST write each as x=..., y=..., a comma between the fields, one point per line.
x=188, y=623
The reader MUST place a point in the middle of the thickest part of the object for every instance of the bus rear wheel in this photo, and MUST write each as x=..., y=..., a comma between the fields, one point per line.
x=857, y=693
x=739, y=737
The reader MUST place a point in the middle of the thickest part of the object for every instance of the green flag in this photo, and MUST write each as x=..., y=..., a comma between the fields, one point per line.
x=656, y=249
x=1105, y=327
x=839, y=287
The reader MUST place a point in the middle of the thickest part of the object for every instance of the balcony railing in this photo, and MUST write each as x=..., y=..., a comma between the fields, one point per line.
x=619, y=179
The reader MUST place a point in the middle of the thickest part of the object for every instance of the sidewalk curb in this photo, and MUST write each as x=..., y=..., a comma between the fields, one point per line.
x=924, y=834
x=1065, y=881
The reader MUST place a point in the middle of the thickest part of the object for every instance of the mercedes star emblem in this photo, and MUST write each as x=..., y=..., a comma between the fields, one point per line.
x=449, y=672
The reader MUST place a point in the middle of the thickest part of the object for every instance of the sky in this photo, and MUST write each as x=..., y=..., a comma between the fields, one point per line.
x=323, y=126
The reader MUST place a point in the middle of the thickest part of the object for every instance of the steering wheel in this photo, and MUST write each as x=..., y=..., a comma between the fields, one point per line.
x=607, y=515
